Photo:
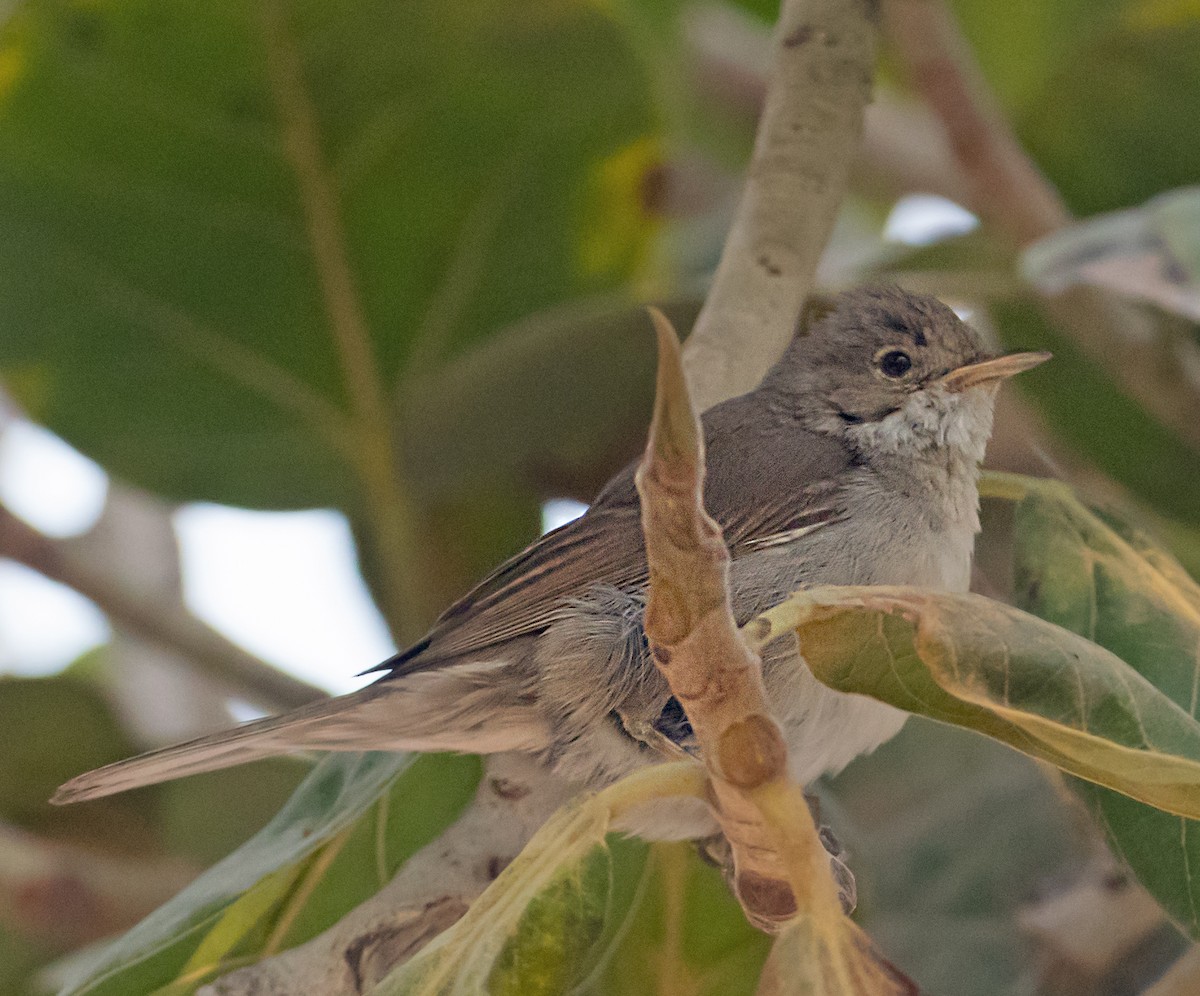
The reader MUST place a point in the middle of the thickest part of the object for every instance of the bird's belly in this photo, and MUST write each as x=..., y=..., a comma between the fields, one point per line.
x=826, y=729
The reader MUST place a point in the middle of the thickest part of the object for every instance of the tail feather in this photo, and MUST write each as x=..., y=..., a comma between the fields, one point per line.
x=468, y=708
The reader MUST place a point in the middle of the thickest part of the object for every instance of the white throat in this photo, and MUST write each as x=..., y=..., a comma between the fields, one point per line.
x=950, y=427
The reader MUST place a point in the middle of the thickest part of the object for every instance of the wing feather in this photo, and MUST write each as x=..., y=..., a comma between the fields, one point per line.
x=768, y=495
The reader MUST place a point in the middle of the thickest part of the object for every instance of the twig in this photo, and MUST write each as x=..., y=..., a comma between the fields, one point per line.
x=167, y=624
x=1005, y=186
x=807, y=137
x=1015, y=200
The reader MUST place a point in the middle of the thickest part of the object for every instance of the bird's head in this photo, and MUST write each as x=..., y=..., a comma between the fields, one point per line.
x=895, y=373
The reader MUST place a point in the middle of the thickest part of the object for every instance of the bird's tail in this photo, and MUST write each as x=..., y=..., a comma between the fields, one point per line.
x=469, y=707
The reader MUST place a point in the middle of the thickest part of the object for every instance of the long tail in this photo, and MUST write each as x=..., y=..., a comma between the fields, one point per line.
x=469, y=708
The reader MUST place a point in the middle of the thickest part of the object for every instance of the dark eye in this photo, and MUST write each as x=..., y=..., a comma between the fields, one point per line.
x=896, y=363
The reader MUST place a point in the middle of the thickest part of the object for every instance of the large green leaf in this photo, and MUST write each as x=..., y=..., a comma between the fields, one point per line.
x=343, y=834
x=484, y=416
x=1019, y=54
x=1116, y=145
x=982, y=665
x=233, y=233
x=681, y=930
x=1103, y=146
x=1109, y=581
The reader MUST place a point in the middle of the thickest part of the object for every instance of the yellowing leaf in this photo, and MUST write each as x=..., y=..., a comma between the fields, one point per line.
x=621, y=214
x=1105, y=578
x=534, y=929
x=976, y=663
x=802, y=963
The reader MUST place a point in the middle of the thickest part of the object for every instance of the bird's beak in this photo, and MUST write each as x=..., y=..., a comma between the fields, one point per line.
x=994, y=369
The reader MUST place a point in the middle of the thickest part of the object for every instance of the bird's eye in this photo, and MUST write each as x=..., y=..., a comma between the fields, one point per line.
x=895, y=363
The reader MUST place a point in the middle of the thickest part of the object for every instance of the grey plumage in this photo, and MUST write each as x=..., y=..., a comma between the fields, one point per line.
x=831, y=471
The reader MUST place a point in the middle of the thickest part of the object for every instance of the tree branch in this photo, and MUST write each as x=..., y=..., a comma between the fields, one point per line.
x=431, y=891
x=168, y=624
x=809, y=132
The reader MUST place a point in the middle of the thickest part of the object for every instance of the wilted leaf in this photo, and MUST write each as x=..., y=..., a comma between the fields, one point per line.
x=976, y=663
x=1109, y=581
x=337, y=841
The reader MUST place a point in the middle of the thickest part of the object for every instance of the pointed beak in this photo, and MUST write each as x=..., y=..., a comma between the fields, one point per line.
x=991, y=370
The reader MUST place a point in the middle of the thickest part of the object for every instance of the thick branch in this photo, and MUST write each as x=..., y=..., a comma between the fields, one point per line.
x=824, y=57
x=168, y=624
x=431, y=891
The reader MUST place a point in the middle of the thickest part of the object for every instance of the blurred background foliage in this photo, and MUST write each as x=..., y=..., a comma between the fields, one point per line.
x=388, y=259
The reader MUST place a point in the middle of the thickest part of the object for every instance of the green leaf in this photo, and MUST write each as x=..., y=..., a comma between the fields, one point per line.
x=1109, y=146
x=675, y=927
x=529, y=927
x=975, y=663
x=233, y=234
x=1019, y=54
x=1112, y=146
x=1108, y=580
x=540, y=400
x=343, y=834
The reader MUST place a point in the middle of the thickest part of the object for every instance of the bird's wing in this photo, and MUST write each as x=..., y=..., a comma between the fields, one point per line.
x=522, y=596
x=767, y=496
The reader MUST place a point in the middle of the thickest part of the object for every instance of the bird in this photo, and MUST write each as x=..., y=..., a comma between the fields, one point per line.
x=854, y=461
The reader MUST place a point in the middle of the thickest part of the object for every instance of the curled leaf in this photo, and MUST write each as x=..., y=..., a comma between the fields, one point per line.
x=975, y=663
